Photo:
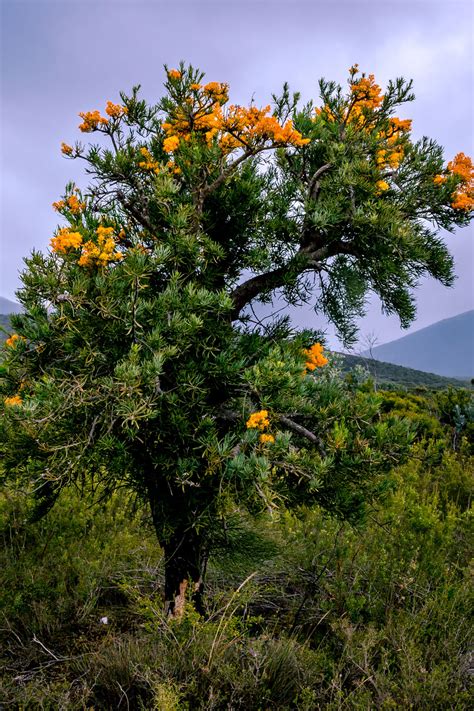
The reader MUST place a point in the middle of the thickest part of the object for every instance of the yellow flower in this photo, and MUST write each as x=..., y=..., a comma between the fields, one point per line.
x=174, y=74
x=463, y=198
x=149, y=163
x=67, y=150
x=266, y=438
x=217, y=91
x=315, y=357
x=115, y=110
x=12, y=401
x=74, y=205
x=10, y=342
x=382, y=185
x=439, y=179
x=101, y=252
x=462, y=201
x=92, y=120
x=65, y=240
x=170, y=144
x=258, y=420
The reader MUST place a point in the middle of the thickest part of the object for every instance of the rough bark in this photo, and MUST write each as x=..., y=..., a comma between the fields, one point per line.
x=185, y=565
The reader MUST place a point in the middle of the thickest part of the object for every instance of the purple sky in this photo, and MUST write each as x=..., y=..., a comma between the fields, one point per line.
x=61, y=57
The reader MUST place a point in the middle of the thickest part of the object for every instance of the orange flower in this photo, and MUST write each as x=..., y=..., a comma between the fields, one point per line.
x=258, y=420
x=67, y=150
x=115, y=110
x=463, y=198
x=266, y=438
x=11, y=342
x=102, y=252
x=170, y=144
x=13, y=401
x=382, y=185
x=149, y=163
x=315, y=357
x=174, y=74
x=65, y=241
x=74, y=205
x=92, y=120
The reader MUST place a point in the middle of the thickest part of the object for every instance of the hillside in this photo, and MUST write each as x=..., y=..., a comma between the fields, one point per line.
x=4, y=323
x=9, y=307
x=388, y=374
x=445, y=348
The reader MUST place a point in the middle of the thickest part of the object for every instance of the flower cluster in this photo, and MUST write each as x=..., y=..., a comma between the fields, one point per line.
x=13, y=400
x=461, y=166
x=115, y=110
x=382, y=186
x=315, y=357
x=101, y=252
x=366, y=94
x=148, y=163
x=258, y=420
x=202, y=114
x=13, y=340
x=360, y=110
x=71, y=203
x=91, y=121
x=170, y=144
x=65, y=240
x=67, y=150
x=174, y=74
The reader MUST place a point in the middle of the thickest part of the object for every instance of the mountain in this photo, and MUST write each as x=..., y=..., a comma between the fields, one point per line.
x=388, y=375
x=9, y=307
x=445, y=348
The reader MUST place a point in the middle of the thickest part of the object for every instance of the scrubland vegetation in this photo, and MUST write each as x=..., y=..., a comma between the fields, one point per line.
x=303, y=611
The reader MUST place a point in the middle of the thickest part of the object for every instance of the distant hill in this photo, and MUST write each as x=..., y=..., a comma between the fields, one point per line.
x=390, y=375
x=9, y=307
x=445, y=348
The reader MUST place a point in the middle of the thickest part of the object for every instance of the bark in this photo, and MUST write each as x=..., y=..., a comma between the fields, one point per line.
x=185, y=567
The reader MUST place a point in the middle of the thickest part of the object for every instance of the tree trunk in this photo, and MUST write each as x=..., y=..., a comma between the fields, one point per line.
x=185, y=565
x=185, y=551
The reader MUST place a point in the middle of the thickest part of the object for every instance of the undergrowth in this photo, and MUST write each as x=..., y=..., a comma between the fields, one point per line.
x=303, y=612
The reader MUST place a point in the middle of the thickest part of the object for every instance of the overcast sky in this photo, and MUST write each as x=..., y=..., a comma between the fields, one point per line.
x=64, y=56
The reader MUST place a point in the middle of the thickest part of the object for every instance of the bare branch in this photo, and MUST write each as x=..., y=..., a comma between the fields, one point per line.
x=315, y=183
x=299, y=429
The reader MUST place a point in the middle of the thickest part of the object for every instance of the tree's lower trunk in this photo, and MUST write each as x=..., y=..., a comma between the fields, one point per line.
x=184, y=551
x=185, y=567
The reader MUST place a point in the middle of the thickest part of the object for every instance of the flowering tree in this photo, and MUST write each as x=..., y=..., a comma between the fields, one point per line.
x=136, y=362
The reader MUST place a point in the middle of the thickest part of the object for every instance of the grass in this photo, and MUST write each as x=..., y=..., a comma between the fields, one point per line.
x=304, y=612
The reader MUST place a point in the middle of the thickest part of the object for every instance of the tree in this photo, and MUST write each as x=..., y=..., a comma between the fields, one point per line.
x=136, y=361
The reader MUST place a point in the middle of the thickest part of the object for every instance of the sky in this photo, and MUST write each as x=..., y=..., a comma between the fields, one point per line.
x=59, y=57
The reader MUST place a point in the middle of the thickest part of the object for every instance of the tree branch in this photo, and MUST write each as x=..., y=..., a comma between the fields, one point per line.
x=208, y=189
x=299, y=429
x=135, y=212
x=306, y=259
x=315, y=183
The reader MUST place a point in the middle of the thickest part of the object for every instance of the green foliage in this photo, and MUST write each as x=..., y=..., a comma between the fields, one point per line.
x=135, y=364
x=305, y=612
